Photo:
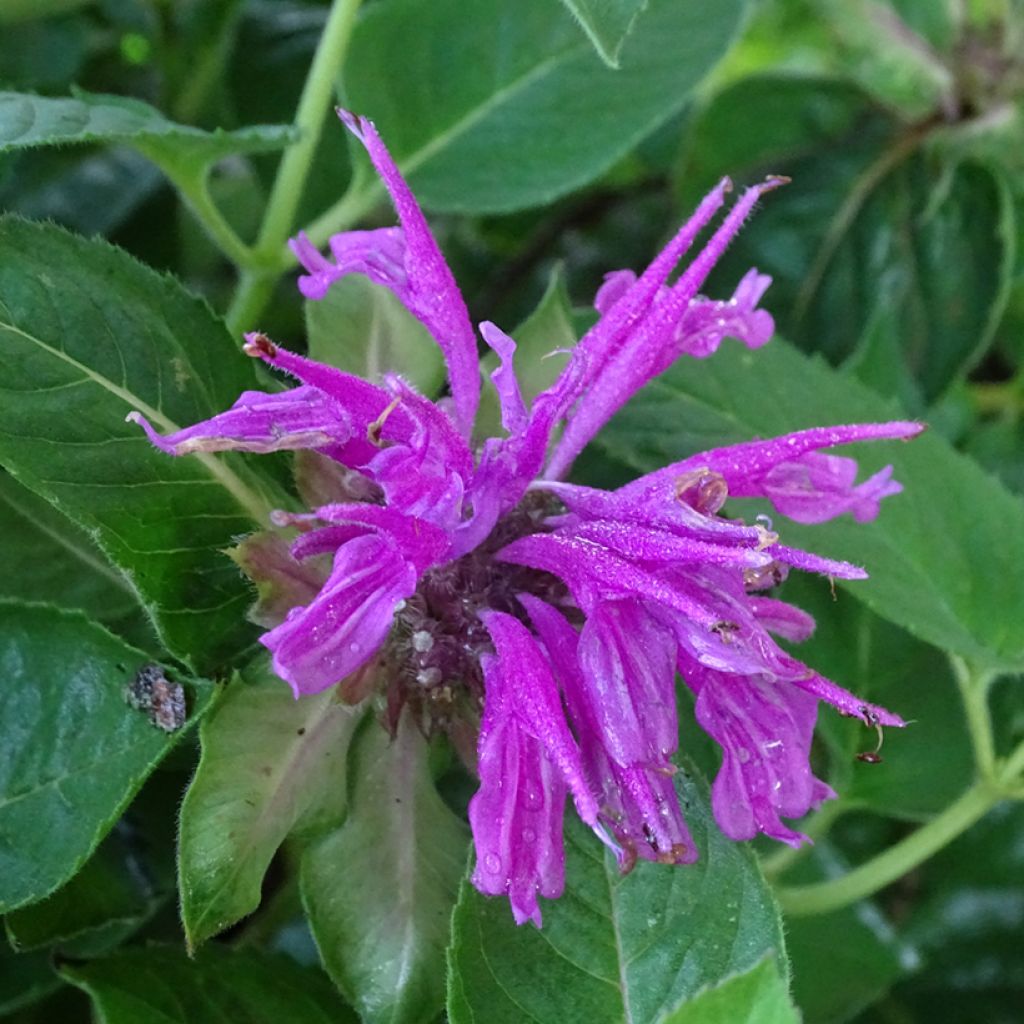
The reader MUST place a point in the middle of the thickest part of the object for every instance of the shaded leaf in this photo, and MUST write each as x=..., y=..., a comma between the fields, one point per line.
x=25, y=978
x=834, y=980
x=758, y=996
x=86, y=335
x=881, y=252
x=271, y=765
x=161, y=985
x=616, y=948
x=364, y=329
x=379, y=891
x=533, y=113
x=72, y=753
x=606, y=23
x=937, y=553
x=538, y=359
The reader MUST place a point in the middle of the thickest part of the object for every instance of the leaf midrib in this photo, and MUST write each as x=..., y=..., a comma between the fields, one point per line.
x=254, y=506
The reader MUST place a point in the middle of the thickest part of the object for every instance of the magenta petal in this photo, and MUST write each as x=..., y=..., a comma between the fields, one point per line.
x=748, y=470
x=516, y=814
x=259, y=422
x=320, y=644
x=513, y=410
x=531, y=693
x=430, y=291
x=764, y=728
x=654, y=336
x=628, y=664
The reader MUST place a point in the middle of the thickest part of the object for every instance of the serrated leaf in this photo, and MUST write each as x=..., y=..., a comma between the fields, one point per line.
x=48, y=558
x=161, y=985
x=72, y=753
x=534, y=113
x=271, y=765
x=937, y=553
x=379, y=891
x=27, y=121
x=86, y=335
x=362, y=328
x=613, y=948
x=757, y=996
x=606, y=23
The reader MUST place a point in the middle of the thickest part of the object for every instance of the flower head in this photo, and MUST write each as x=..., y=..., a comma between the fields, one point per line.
x=477, y=587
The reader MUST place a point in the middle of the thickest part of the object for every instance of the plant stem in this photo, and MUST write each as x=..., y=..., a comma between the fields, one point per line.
x=880, y=871
x=257, y=283
x=193, y=189
x=974, y=684
x=1014, y=766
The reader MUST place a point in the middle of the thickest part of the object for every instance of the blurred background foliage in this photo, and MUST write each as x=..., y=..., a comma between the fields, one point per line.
x=897, y=256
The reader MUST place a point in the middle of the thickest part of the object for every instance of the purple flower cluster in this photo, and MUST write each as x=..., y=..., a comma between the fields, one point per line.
x=479, y=588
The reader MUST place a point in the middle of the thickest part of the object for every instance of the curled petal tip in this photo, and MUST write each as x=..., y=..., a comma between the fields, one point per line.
x=259, y=346
x=133, y=417
x=726, y=184
x=774, y=181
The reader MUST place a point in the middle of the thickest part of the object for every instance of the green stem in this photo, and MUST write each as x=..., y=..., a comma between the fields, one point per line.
x=256, y=284
x=1014, y=765
x=974, y=684
x=193, y=189
x=880, y=871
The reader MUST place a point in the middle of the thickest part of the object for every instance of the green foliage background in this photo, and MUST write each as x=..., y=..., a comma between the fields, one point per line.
x=287, y=861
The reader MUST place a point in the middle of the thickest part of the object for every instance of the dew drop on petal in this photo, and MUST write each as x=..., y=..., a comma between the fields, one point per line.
x=492, y=864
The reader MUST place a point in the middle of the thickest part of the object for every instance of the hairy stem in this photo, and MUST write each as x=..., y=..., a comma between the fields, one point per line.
x=880, y=871
x=257, y=283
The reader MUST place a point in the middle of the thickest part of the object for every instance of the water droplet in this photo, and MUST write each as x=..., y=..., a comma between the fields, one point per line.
x=529, y=836
x=492, y=864
x=743, y=755
x=354, y=647
x=533, y=799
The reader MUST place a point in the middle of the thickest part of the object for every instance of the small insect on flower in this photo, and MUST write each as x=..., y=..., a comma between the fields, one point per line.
x=162, y=701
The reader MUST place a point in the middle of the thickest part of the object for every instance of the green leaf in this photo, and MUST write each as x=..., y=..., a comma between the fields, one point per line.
x=161, y=985
x=362, y=328
x=271, y=765
x=527, y=111
x=881, y=252
x=606, y=23
x=937, y=553
x=758, y=996
x=27, y=121
x=48, y=558
x=616, y=948
x=928, y=764
x=86, y=335
x=103, y=903
x=379, y=891
x=72, y=753
x=538, y=359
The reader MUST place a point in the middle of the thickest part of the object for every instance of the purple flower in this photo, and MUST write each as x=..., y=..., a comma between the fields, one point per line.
x=483, y=593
